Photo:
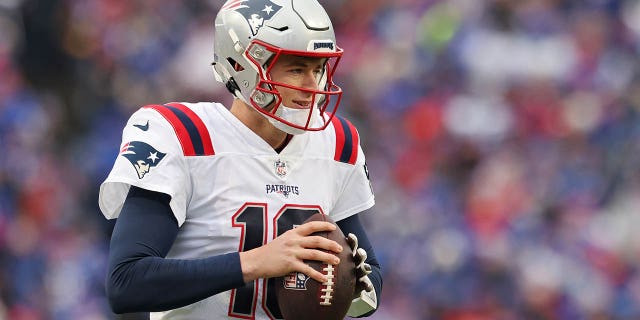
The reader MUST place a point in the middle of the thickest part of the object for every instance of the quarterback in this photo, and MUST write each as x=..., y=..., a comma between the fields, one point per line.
x=210, y=199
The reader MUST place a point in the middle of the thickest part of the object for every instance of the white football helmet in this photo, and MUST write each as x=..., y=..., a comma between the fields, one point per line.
x=250, y=35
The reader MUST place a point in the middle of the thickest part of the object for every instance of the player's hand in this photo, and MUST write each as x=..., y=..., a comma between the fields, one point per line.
x=363, y=269
x=286, y=253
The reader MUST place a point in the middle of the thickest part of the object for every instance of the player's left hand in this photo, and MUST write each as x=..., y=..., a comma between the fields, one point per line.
x=363, y=269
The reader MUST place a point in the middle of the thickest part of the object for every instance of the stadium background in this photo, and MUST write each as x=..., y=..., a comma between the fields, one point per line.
x=503, y=141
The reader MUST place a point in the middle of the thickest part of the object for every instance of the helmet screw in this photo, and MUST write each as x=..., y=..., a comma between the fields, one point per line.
x=258, y=53
x=259, y=97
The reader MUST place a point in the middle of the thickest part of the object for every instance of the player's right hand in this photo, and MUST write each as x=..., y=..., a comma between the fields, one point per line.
x=286, y=253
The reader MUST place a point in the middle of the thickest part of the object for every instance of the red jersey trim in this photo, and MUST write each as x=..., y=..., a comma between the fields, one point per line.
x=347, y=140
x=192, y=133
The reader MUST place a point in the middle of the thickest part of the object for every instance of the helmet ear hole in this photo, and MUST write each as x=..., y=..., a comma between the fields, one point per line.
x=235, y=65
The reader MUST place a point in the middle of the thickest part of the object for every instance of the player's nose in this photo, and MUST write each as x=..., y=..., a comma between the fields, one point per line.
x=310, y=80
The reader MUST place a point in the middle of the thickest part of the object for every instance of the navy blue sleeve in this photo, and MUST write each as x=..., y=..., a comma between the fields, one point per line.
x=141, y=279
x=352, y=225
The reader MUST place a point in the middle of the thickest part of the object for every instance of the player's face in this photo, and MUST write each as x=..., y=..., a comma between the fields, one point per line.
x=303, y=72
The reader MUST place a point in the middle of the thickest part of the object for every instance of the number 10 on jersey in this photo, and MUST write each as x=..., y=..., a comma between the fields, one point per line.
x=253, y=220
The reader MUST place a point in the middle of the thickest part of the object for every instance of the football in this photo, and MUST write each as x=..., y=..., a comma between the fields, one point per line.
x=301, y=297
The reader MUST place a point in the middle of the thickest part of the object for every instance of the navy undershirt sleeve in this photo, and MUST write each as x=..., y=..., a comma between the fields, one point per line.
x=352, y=225
x=141, y=279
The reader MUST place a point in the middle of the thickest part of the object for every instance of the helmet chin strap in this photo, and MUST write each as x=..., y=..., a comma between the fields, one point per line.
x=297, y=116
x=292, y=115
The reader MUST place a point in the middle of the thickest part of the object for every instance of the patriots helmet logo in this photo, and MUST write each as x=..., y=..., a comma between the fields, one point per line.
x=257, y=12
x=142, y=156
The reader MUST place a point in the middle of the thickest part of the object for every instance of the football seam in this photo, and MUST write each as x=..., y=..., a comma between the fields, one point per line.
x=327, y=287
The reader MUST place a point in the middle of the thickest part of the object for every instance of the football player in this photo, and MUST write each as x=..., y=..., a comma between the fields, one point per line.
x=210, y=200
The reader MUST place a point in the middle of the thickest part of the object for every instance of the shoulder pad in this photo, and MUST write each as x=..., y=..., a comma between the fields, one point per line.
x=347, y=140
x=191, y=131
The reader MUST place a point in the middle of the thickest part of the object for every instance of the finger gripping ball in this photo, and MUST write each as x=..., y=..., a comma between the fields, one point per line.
x=301, y=297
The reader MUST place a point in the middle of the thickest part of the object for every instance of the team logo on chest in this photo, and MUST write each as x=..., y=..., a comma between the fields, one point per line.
x=283, y=189
x=280, y=168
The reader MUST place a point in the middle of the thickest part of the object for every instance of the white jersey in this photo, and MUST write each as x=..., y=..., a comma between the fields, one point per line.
x=230, y=191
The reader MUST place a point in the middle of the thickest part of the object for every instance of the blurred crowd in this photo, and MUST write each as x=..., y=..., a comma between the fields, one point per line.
x=502, y=137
